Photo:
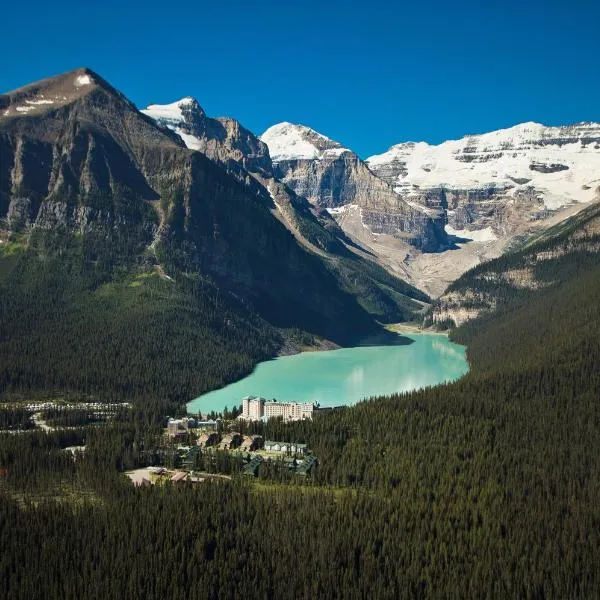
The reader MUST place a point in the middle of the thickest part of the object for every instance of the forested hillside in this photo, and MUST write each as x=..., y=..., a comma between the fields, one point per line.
x=134, y=267
x=487, y=487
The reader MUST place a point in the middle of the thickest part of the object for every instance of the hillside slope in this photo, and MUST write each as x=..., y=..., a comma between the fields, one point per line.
x=431, y=212
x=247, y=158
x=544, y=262
x=108, y=220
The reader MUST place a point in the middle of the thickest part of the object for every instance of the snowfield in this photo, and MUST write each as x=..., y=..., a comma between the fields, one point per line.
x=287, y=141
x=171, y=116
x=561, y=163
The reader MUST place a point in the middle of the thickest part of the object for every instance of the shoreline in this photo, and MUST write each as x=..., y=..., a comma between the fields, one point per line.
x=408, y=328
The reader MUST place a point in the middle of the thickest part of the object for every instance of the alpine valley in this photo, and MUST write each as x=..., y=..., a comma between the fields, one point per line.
x=150, y=256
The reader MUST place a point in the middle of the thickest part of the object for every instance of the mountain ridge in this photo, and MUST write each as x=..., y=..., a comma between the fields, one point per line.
x=107, y=218
x=482, y=193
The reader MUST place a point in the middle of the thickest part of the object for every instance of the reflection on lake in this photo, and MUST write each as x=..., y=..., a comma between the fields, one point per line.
x=345, y=376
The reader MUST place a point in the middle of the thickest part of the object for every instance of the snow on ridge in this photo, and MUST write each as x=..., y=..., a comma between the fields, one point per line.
x=340, y=210
x=167, y=112
x=288, y=141
x=559, y=163
x=82, y=80
x=476, y=235
x=171, y=115
x=529, y=131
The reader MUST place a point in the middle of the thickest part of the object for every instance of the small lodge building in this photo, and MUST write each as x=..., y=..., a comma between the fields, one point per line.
x=251, y=443
x=178, y=427
x=180, y=478
x=209, y=425
x=306, y=465
x=230, y=441
x=207, y=439
x=286, y=447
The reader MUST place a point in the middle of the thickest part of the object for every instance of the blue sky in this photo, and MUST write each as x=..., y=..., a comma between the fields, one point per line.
x=369, y=74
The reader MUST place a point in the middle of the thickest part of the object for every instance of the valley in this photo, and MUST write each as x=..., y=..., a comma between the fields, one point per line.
x=150, y=257
x=346, y=376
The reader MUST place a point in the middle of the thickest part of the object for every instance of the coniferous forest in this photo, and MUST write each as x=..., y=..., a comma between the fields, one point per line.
x=483, y=488
x=137, y=273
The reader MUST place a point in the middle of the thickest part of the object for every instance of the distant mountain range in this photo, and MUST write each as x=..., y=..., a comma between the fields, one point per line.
x=471, y=197
x=307, y=233
x=427, y=213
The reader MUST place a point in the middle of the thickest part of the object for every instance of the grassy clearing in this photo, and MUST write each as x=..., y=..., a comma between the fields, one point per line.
x=269, y=487
x=63, y=493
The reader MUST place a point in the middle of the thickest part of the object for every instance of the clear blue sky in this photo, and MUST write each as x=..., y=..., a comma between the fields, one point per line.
x=369, y=74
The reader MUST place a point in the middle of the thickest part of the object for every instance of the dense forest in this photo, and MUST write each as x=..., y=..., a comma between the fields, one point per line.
x=116, y=329
x=484, y=488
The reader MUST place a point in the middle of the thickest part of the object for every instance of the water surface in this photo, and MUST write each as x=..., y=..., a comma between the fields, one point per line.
x=343, y=377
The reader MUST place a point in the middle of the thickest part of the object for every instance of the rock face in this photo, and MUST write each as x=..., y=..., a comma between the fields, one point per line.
x=332, y=177
x=248, y=159
x=497, y=179
x=83, y=171
x=222, y=139
x=429, y=213
x=79, y=159
x=539, y=264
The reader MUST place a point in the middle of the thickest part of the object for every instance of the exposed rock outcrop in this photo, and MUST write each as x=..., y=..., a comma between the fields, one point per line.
x=331, y=177
x=497, y=179
x=83, y=160
x=489, y=286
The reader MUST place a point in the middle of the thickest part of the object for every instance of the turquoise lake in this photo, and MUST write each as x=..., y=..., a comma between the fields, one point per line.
x=345, y=376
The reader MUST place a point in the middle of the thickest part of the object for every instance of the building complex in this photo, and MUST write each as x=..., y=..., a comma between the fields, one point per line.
x=256, y=409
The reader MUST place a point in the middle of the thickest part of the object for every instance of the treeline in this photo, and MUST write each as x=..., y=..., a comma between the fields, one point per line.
x=484, y=488
x=133, y=336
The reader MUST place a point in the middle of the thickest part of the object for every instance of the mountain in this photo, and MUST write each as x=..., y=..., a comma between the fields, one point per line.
x=334, y=178
x=494, y=188
x=549, y=166
x=120, y=248
x=468, y=200
x=222, y=139
x=544, y=263
x=247, y=158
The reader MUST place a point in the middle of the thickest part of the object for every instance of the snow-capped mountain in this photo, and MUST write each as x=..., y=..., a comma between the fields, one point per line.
x=287, y=141
x=560, y=164
x=181, y=117
x=222, y=139
x=482, y=191
x=334, y=178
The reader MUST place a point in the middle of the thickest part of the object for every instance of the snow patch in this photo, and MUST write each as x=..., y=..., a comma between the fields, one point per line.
x=170, y=113
x=40, y=101
x=24, y=108
x=171, y=116
x=501, y=160
x=287, y=141
x=477, y=235
x=82, y=80
x=191, y=141
x=340, y=210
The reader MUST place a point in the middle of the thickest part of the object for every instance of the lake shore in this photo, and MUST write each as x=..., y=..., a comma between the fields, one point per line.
x=408, y=328
x=346, y=375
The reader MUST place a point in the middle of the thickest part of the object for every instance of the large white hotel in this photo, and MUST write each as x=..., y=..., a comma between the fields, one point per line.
x=256, y=409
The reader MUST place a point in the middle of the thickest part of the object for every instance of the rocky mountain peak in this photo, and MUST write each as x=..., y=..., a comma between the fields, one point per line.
x=51, y=93
x=185, y=113
x=559, y=165
x=288, y=141
x=222, y=139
